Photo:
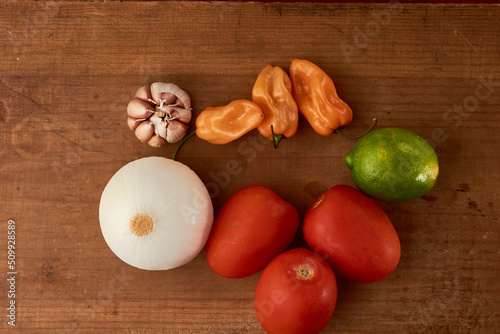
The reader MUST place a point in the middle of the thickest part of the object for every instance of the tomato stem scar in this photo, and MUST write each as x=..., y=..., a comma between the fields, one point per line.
x=304, y=273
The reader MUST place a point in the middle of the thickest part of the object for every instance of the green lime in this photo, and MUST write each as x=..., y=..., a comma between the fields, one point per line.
x=393, y=165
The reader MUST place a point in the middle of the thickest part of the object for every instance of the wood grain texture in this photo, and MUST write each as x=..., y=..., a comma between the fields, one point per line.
x=68, y=70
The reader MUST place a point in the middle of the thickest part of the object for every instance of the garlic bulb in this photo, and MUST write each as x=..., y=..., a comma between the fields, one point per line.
x=155, y=214
x=159, y=113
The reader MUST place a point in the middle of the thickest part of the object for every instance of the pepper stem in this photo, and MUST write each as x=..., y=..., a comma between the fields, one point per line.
x=276, y=138
x=341, y=131
x=182, y=142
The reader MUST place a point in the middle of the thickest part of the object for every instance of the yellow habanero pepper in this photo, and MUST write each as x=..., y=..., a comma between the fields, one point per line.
x=221, y=125
x=272, y=92
x=317, y=98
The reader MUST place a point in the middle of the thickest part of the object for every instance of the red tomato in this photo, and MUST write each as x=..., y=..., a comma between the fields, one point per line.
x=353, y=234
x=253, y=226
x=296, y=293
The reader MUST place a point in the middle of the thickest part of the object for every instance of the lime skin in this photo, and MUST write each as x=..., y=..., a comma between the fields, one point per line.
x=393, y=165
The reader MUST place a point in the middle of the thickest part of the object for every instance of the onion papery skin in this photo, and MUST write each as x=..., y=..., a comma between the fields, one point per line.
x=173, y=196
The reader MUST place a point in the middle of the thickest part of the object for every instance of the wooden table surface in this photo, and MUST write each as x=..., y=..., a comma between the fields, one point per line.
x=68, y=70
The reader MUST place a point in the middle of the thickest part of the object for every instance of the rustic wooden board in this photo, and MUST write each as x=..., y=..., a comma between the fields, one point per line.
x=68, y=70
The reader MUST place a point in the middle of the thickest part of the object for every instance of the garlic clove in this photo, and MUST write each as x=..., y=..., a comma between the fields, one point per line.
x=138, y=108
x=175, y=131
x=183, y=100
x=132, y=123
x=180, y=114
x=170, y=93
x=144, y=131
x=156, y=141
x=144, y=93
x=164, y=92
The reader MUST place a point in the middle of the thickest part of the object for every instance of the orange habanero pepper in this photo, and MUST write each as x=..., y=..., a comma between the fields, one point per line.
x=317, y=98
x=221, y=125
x=272, y=92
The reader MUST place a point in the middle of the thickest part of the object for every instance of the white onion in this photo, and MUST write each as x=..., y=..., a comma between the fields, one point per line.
x=175, y=203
